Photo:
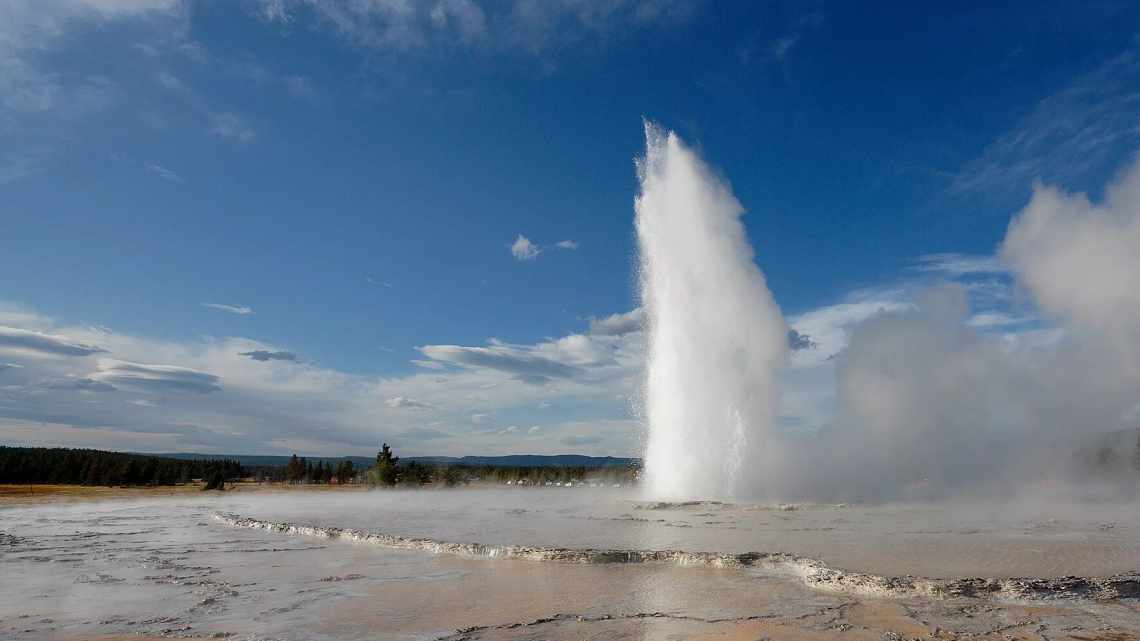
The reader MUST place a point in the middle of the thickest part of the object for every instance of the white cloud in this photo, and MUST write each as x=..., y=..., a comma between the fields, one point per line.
x=214, y=397
x=566, y=244
x=240, y=310
x=523, y=249
x=829, y=327
x=618, y=324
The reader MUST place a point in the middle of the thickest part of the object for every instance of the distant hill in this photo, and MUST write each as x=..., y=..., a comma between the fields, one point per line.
x=266, y=460
x=531, y=460
x=511, y=460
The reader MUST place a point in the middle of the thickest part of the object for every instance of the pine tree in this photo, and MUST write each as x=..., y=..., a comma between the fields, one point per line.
x=294, y=470
x=385, y=472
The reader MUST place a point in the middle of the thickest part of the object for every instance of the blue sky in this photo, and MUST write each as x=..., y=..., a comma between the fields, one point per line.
x=296, y=217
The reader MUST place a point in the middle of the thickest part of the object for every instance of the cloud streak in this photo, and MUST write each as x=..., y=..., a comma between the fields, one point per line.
x=155, y=378
x=163, y=172
x=266, y=355
x=530, y=367
x=403, y=402
x=13, y=338
x=240, y=310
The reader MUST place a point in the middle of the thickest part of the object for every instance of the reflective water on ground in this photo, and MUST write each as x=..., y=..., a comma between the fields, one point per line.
x=166, y=567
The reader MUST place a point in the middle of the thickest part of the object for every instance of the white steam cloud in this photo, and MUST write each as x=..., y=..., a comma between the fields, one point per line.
x=930, y=407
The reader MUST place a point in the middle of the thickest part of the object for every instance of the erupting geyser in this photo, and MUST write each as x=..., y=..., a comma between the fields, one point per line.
x=716, y=337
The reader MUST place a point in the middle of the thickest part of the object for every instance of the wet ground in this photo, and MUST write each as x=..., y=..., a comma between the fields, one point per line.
x=168, y=567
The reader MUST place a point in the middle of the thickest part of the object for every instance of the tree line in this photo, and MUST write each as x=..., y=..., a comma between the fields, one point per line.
x=39, y=465
x=63, y=466
x=390, y=471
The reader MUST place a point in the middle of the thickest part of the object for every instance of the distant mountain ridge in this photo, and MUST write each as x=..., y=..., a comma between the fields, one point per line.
x=531, y=460
x=509, y=460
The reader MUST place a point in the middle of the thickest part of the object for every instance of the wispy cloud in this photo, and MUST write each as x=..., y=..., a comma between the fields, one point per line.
x=19, y=164
x=420, y=434
x=530, y=367
x=525, y=249
x=575, y=441
x=266, y=355
x=215, y=395
x=471, y=25
x=764, y=47
x=1081, y=132
x=300, y=87
x=162, y=172
x=46, y=106
x=230, y=126
x=172, y=82
x=954, y=264
x=985, y=320
x=240, y=310
x=155, y=378
x=783, y=46
x=13, y=338
x=403, y=402
x=77, y=383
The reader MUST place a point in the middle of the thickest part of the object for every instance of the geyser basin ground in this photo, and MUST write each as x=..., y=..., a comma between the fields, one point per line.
x=168, y=566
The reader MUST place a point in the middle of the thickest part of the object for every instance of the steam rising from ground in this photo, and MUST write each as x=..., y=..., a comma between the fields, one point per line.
x=929, y=406
x=716, y=335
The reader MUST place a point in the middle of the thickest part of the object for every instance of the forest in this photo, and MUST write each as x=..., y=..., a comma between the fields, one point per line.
x=63, y=466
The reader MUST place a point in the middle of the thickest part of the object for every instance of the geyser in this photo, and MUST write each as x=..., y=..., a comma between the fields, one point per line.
x=716, y=337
